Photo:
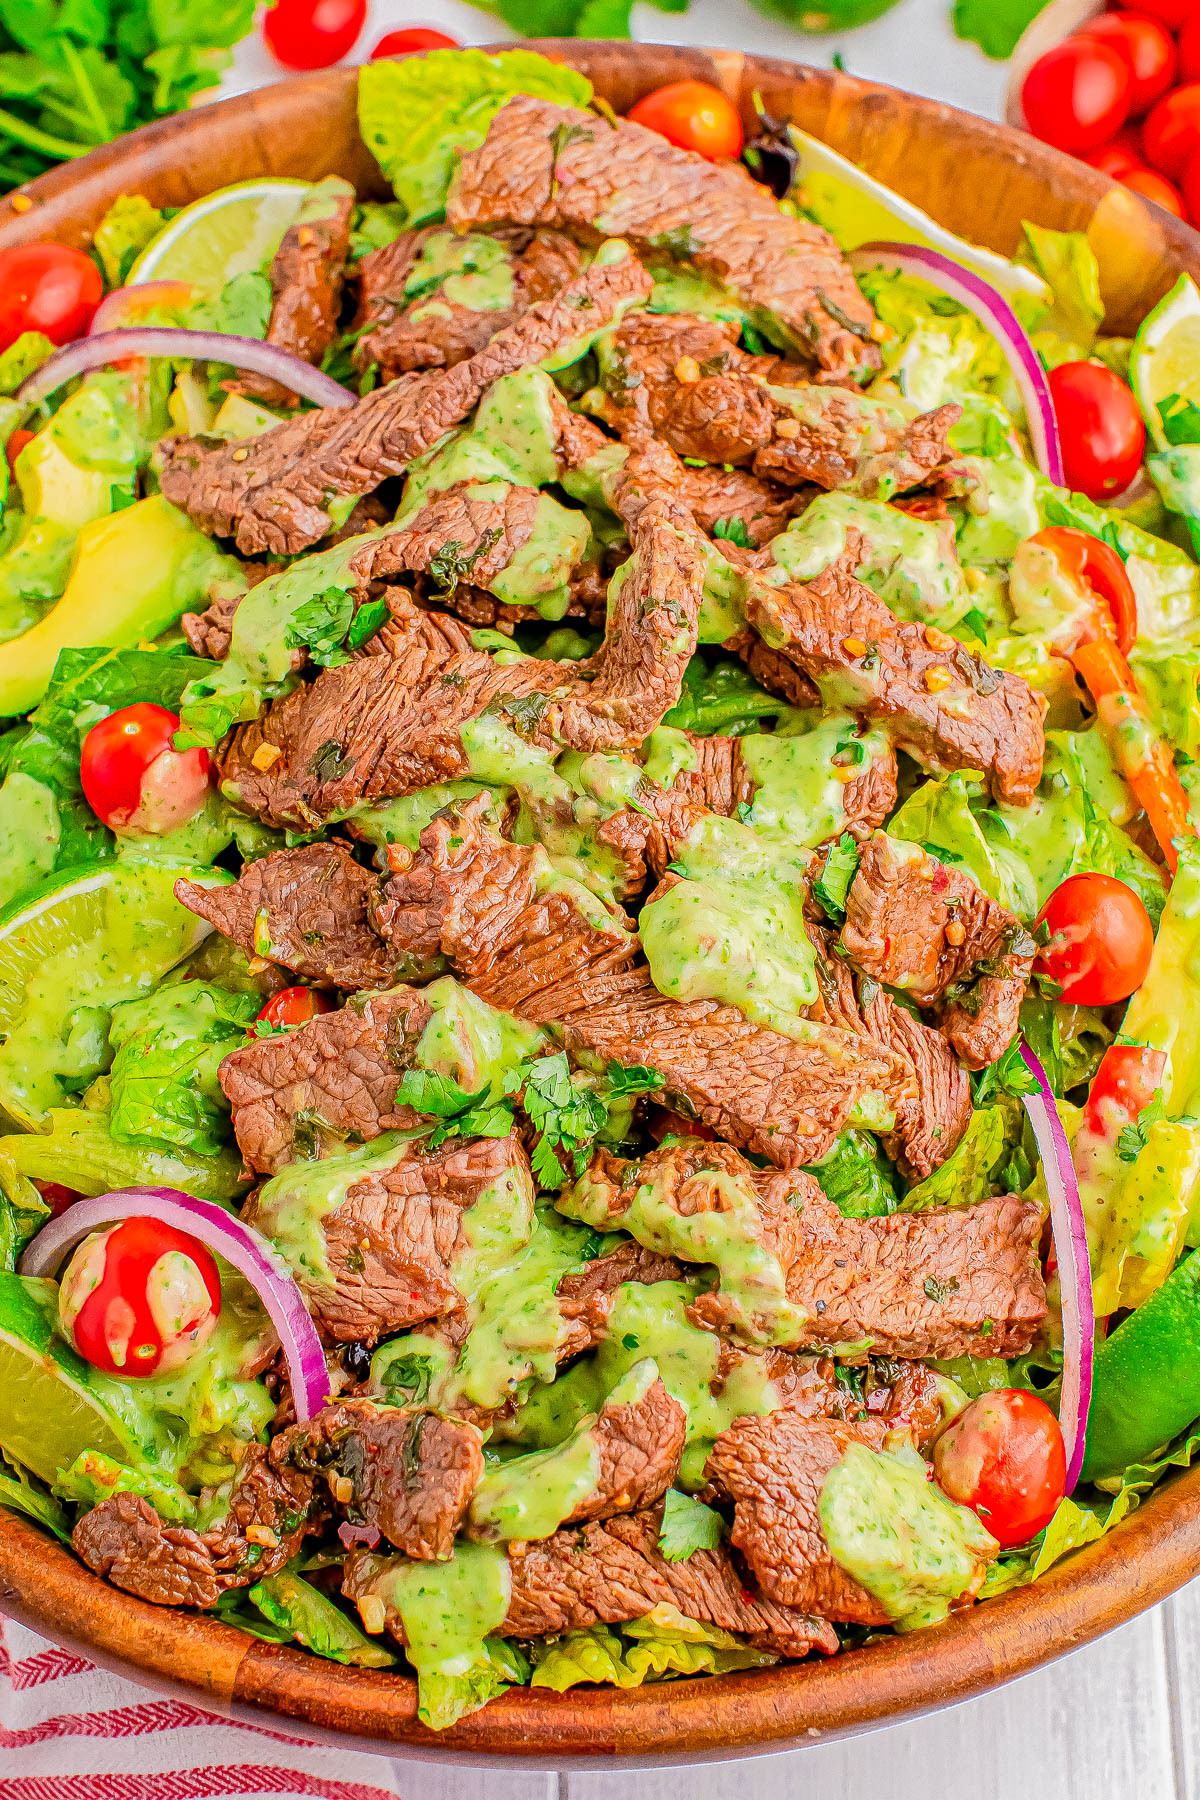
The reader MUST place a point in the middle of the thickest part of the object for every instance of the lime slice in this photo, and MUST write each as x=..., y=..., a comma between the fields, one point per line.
x=857, y=209
x=1165, y=358
x=228, y=233
x=52, y=1403
x=84, y=940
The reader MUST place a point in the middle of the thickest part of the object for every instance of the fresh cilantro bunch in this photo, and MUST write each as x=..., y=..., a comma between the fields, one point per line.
x=567, y=1113
x=77, y=73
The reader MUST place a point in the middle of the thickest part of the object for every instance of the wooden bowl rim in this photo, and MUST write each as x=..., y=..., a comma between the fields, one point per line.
x=1145, y=1559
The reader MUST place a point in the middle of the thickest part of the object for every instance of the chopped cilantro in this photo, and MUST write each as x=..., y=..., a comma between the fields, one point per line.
x=687, y=1526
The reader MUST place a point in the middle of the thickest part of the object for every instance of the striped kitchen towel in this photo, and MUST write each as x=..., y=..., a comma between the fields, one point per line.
x=69, y=1731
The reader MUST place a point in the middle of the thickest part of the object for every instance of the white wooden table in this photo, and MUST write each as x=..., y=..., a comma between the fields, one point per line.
x=1117, y=1721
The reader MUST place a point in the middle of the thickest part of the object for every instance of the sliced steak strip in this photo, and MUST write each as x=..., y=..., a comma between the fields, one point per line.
x=270, y=1514
x=933, y=1106
x=685, y=380
x=930, y=930
x=390, y=722
x=773, y=1469
x=305, y=908
x=326, y=1084
x=392, y=1241
x=445, y=320
x=630, y=1261
x=941, y=703
x=408, y=1475
x=272, y=493
x=306, y=284
x=544, y=953
x=943, y=1283
x=610, y=1572
x=547, y=165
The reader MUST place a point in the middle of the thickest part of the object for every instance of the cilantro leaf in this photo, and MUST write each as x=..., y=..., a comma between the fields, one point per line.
x=1007, y=1076
x=320, y=627
x=1180, y=420
x=733, y=531
x=687, y=1526
x=634, y=1079
x=837, y=872
x=437, y=1095
x=366, y=623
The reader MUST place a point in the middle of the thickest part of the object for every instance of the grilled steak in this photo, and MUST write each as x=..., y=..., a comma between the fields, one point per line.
x=306, y=284
x=547, y=165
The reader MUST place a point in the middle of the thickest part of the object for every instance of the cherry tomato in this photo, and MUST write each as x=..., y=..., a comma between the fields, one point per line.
x=1100, y=940
x=1119, y=154
x=1153, y=186
x=1189, y=50
x=132, y=777
x=1171, y=132
x=139, y=1298
x=1103, y=437
x=1171, y=13
x=1147, y=48
x=311, y=34
x=16, y=443
x=295, y=1006
x=693, y=116
x=1004, y=1458
x=1077, y=95
x=48, y=288
x=56, y=1196
x=1095, y=570
x=1126, y=1082
x=419, y=37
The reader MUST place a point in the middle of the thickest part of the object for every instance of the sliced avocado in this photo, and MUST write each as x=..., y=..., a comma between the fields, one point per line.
x=134, y=574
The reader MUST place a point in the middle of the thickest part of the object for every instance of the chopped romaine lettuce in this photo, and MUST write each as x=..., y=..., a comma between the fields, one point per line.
x=163, y=1085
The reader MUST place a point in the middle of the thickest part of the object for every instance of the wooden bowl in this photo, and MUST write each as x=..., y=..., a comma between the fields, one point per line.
x=981, y=180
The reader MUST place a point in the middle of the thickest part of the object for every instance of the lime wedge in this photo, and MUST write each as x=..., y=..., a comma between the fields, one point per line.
x=84, y=940
x=1165, y=359
x=857, y=209
x=52, y=1403
x=228, y=233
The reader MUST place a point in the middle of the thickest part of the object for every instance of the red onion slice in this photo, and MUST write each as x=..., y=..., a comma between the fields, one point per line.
x=169, y=340
x=240, y=1245
x=1074, y=1263
x=995, y=315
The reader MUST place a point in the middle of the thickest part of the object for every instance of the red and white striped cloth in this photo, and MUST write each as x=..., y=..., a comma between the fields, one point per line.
x=69, y=1731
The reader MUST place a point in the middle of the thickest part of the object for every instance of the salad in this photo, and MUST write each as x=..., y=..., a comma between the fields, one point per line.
x=598, y=964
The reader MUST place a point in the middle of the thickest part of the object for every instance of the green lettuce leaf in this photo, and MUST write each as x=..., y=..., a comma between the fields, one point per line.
x=856, y=1176
x=662, y=1644
x=308, y=1616
x=123, y=233
x=442, y=1700
x=163, y=1081
x=78, y=1151
x=1067, y=263
x=24, y=1493
x=968, y=1173
x=418, y=116
x=951, y=819
x=719, y=696
x=93, y=1477
x=23, y=356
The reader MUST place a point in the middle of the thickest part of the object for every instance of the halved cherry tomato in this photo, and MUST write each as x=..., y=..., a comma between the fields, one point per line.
x=312, y=34
x=1004, y=1458
x=417, y=37
x=16, y=443
x=1171, y=133
x=1119, y=155
x=295, y=1006
x=139, y=1298
x=56, y=1196
x=48, y=288
x=1153, y=186
x=1100, y=941
x=693, y=115
x=1093, y=566
x=1122, y=1088
x=1147, y=48
x=134, y=780
x=1103, y=437
x=1077, y=95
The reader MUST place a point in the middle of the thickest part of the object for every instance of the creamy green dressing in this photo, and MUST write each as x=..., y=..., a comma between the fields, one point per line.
x=1001, y=511
x=34, y=570
x=732, y=929
x=539, y=574
x=511, y=438
x=875, y=423
x=751, y=1278
x=801, y=774
x=471, y=1042
x=473, y=271
x=650, y=1321
x=292, y=1206
x=29, y=833
x=910, y=563
x=667, y=754
x=899, y=1536
x=402, y=821
x=447, y=1608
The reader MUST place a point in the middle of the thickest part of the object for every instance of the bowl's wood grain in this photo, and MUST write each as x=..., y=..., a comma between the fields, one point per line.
x=981, y=180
